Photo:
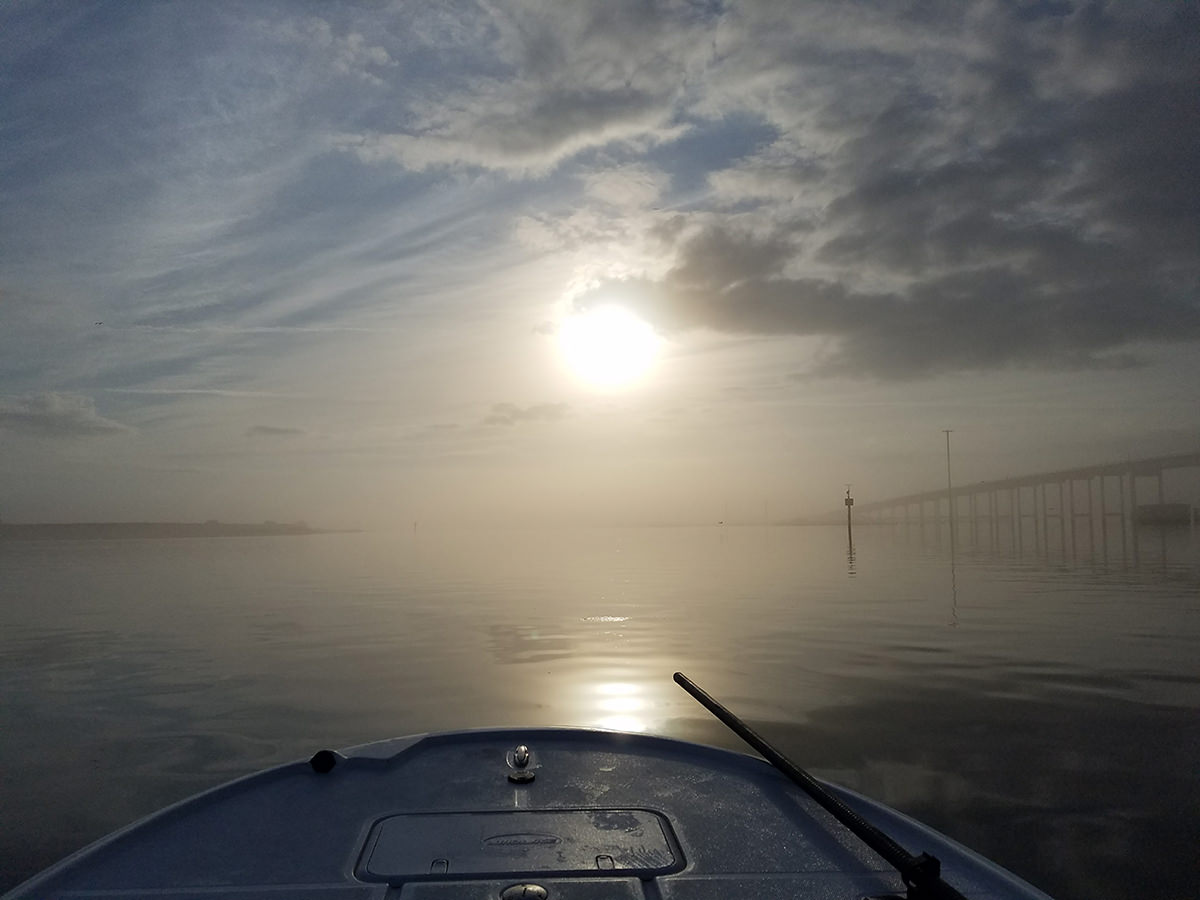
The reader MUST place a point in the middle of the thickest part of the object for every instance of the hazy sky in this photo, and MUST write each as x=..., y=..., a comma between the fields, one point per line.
x=314, y=260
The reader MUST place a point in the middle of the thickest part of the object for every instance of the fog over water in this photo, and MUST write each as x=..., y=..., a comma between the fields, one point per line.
x=1040, y=709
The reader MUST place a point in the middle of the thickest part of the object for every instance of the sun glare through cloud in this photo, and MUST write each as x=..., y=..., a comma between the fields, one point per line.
x=608, y=346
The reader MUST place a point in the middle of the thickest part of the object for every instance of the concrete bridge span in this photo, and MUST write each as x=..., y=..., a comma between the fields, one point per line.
x=1087, y=499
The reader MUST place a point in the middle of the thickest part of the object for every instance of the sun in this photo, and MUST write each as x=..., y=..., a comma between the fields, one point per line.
x=608, y=346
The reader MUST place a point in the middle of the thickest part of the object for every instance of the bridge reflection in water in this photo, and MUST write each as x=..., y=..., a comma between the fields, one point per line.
x=1097, y=512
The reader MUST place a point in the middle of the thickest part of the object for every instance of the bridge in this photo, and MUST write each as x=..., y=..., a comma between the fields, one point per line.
x=1083, y=500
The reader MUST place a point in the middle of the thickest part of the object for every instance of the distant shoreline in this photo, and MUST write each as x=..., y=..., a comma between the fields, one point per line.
x=107, y=530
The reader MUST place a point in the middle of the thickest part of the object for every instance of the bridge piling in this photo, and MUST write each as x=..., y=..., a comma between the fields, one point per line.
x=993, y=520
x=1104, y=518
x=1092, y=501
x=1124, y=525
x=1133, y=517
x=1039, y=519
x=1020, y=529
x=1071, y=513
x=1062, y=518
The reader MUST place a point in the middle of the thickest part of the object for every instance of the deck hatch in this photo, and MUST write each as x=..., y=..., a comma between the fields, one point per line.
x=601, y=842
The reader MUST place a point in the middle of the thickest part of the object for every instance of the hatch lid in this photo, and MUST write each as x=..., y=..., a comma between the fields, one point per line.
x=602, y=842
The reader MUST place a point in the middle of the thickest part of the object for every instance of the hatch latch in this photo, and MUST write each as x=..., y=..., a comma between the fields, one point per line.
x=518, y=760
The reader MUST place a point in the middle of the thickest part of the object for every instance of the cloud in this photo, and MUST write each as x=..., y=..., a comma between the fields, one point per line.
x=524, y=135
x=626, y=187
x=511, y=414
x=56, y=415
x=273, y=431
x=1061, y=313
x=199, y=392
x=345, y=54
x=1002, y=186
x=927, y=188
x=548, y=81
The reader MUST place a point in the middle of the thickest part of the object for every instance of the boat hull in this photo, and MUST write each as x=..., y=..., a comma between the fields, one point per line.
x=591, y=814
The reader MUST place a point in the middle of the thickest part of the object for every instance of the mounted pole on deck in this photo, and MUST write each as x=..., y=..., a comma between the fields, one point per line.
x=921, y=874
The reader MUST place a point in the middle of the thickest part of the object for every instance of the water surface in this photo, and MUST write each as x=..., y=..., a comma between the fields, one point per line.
x=1040, y=707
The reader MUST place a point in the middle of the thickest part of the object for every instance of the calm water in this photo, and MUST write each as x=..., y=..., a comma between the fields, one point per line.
x=1041, y=709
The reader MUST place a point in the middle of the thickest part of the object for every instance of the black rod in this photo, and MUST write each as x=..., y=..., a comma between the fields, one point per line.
x=920, y=873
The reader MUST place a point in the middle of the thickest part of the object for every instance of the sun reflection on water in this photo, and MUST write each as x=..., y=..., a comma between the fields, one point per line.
x=616, y=705
x=616, y=679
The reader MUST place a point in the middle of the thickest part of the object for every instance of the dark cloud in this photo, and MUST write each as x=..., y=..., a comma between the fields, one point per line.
x=1063, y=313
x=273, y=431
x=1032, y=201
x=511, y=414
x=55, y=415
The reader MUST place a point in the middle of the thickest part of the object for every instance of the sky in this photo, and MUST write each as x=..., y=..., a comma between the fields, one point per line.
x=317, y=260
